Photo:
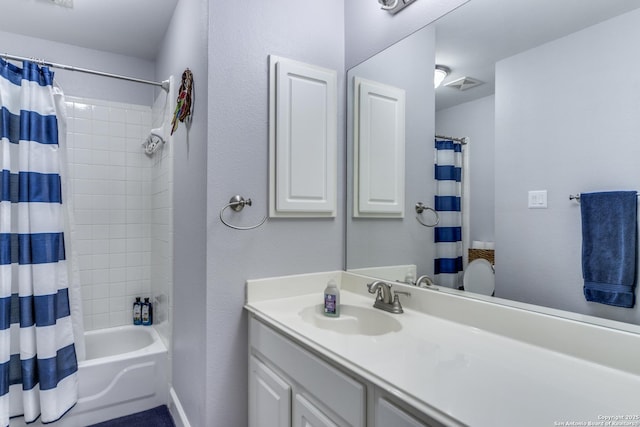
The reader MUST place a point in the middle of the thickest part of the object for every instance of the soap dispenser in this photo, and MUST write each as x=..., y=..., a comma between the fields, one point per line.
x=408, y=278
x=332, y=299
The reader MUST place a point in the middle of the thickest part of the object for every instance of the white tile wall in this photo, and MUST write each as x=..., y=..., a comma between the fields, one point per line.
x=161, y=220
x=112, y=185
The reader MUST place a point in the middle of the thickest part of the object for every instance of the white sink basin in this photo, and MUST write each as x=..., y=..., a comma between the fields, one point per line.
x=353, y=320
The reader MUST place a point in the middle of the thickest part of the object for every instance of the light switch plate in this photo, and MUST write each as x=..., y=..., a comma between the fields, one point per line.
x=538, y=199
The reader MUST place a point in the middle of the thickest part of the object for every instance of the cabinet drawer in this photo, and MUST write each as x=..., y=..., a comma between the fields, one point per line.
x=337, y=391
x=388, y=414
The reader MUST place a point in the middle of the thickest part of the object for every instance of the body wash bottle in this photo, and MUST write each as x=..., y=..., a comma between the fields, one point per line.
x=332, y=299
x=137, y=312
x=147, y=313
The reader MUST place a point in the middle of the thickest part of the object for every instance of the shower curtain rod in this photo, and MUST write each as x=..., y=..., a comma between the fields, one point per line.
x=164, y=85
x=460, y=140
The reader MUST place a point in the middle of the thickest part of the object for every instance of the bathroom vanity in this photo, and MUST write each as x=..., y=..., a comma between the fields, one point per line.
x=447, y=360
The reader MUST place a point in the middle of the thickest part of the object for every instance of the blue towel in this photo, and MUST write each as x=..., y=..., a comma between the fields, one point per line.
x=609, y=223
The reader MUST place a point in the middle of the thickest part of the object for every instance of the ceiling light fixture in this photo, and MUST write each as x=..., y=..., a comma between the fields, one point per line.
x=394, y=6
x=440, y=74
x=388, y=4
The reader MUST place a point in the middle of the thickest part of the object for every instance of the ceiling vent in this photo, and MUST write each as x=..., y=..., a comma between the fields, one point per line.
x=65, y=3
x=464, y=83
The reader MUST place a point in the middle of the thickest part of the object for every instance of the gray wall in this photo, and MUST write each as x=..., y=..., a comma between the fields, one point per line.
x=475, y=119
x=81, y=84
x=241, y=36
x=567, y=120
x=185, y=45
x=369, y=29
x=393, y=241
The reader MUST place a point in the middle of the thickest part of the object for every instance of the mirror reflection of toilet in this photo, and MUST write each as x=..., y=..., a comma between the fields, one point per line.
x=479, y=277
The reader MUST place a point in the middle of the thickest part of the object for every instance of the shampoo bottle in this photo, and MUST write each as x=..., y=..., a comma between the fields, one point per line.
x=137, y=312
x=332, y=299
x=147, y=312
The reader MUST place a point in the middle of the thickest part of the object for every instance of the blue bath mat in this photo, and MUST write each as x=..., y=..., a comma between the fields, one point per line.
x=156, y=417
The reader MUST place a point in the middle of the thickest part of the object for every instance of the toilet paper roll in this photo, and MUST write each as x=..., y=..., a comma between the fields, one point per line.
x=490, y=245
x=477, y=244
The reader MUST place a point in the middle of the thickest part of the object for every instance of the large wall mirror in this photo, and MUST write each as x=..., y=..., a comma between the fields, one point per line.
x=558, y=110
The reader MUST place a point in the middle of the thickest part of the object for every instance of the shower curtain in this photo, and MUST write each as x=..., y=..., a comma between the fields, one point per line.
x=38, y=362
x=448, y=233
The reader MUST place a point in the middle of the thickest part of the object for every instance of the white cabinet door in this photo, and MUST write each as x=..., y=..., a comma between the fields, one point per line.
x=269, y=397
x=306, y=414
x=379, y=149
x=342, y=396
x=387, y=414
x=303, y=143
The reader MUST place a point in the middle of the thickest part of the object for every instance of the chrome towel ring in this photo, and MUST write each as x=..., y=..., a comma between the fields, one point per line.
x=237, y=203
x=420, y=208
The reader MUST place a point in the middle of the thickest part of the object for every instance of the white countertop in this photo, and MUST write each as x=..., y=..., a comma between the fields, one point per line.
x=448, y=369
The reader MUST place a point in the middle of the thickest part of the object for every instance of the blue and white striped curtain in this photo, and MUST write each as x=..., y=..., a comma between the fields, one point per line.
x=448, y=234
x=38, y=364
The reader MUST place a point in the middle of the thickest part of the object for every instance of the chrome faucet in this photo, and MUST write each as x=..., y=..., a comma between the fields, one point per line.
x=384, y=300
x=383, y=289
x=428, y=282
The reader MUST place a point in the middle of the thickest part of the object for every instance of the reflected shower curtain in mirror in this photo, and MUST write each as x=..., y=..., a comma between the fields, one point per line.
x=447, y=267
x=38, y=363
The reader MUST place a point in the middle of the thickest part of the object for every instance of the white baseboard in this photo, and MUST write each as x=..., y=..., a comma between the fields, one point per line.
x=176, y=410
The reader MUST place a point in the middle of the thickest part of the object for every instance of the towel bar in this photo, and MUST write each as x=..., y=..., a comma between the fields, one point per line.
x=576, y=197
x=420, y=208
x=237, y=203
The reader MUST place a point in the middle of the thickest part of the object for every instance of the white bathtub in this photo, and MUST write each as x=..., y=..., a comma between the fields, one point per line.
x=125, y=372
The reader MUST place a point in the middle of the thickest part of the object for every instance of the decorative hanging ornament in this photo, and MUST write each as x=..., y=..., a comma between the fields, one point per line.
x=184, y=103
